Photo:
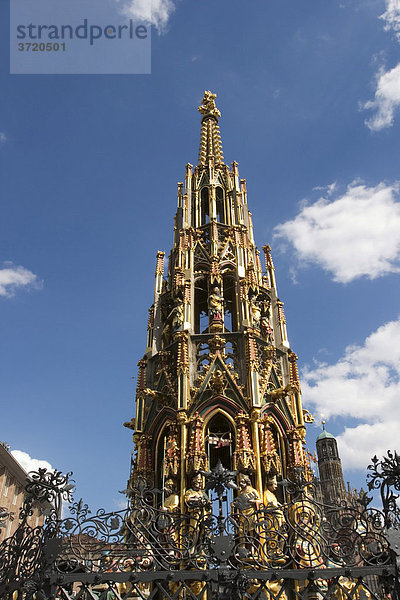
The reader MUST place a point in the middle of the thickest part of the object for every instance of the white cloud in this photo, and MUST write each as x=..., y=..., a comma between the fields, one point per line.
x=30, y=464
x=13, y=277
x=329, y=189
x=350, y=235
x=155, y=12
x=387, y=94
x=3, y=137
x=386, y=101
x=365, y=385
x=391, y=16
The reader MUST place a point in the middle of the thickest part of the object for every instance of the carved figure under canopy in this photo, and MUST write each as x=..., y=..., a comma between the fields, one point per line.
x=266, y=329
x=215, y=305
x=255, y=311
x=172, y=453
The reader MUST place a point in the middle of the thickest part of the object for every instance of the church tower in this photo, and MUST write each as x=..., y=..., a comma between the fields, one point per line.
x=218, y=380
x=330, y=469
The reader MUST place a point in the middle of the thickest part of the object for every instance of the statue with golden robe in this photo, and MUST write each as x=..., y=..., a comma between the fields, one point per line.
x=272, y=535
x=246, y=506
x=197, y=504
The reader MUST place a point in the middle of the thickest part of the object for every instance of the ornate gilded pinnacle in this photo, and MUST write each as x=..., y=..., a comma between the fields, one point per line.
x=207, y=107
x=210, y=138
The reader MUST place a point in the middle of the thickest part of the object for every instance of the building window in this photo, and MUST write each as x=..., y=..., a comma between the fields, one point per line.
x=8, y=530
x=16, y=492
x=7, y=484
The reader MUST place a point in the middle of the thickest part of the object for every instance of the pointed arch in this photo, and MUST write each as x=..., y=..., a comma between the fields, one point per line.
x=209, y=404
x=214, y=411
x=157, y=424
x=220, y=439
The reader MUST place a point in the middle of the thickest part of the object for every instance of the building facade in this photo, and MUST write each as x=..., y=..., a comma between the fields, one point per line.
x=12, y=495
x=218, y=380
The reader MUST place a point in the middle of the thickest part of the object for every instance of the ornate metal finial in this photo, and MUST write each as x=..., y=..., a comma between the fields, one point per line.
x=219, y=478
x=385, y=476
x=323, y=425
x=48, y=489
x=207, y=107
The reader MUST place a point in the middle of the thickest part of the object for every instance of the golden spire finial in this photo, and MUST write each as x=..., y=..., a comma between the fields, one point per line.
x=323, y=425
x=210, y=138
x=207, y=107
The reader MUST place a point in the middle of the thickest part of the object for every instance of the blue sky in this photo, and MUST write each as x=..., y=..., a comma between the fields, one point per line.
x=309, y=92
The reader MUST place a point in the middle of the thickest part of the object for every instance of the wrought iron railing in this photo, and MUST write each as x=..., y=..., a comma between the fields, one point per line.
x=301, y=549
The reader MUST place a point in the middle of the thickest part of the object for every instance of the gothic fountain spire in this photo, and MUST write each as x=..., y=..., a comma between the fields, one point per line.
x=218, y=380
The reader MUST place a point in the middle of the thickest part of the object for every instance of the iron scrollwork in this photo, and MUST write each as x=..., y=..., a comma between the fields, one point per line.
x=249, y=553
x=145, y=537
x=385, y=476
x=22, y=556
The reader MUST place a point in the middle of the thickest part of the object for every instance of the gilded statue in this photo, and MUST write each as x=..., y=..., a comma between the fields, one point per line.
x=197, y=504
x=215, y=305
x=207, y=106
x=196, y=500
x=255, y=311
x=171, y=499
x=272, y=536
x=269, y=497
x=171, y=506
x=266, y=329
x=247, y=504
x=248, y=499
